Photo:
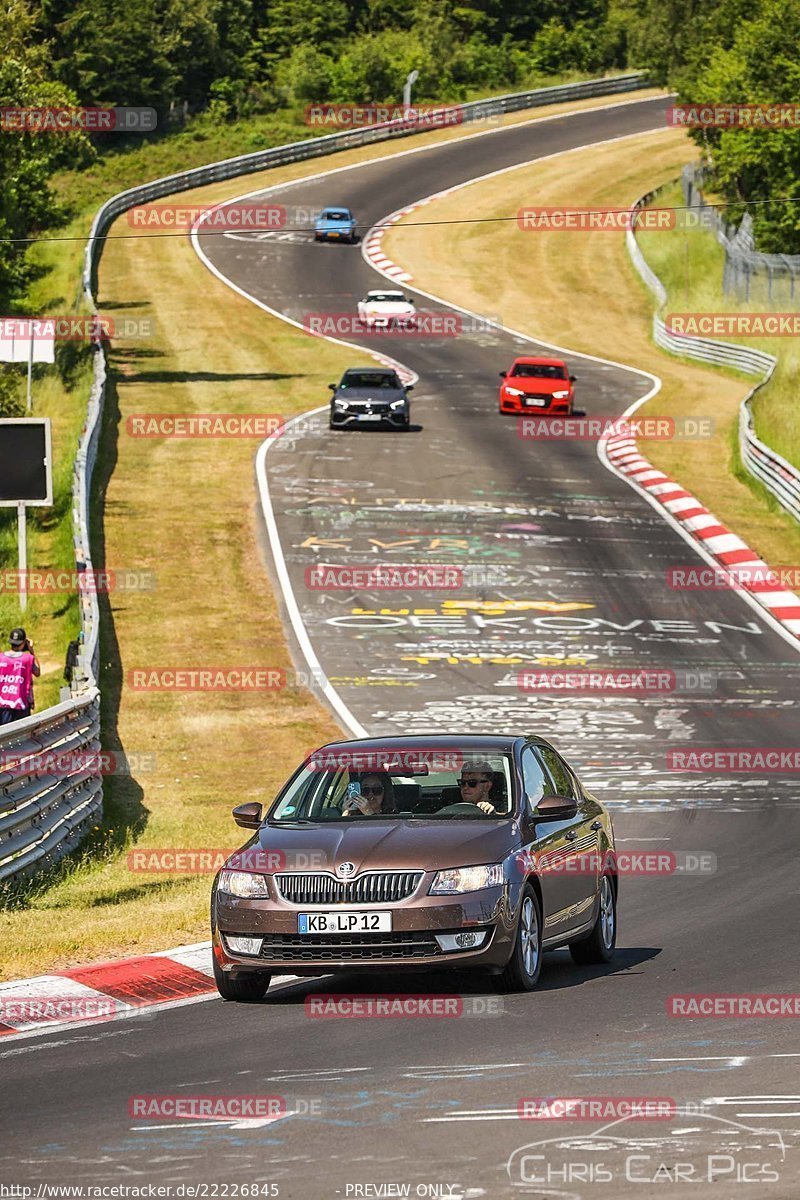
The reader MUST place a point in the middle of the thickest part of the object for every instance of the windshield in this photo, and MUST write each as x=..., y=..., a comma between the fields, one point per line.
x=370, y=379
x=388, y=298
x=335, y=214
x=404, y=785
x=540, y=371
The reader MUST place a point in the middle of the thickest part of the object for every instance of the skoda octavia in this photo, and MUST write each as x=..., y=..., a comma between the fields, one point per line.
x=409, y=854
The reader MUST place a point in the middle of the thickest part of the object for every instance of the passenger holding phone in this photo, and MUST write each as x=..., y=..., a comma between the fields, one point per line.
x=370, y=795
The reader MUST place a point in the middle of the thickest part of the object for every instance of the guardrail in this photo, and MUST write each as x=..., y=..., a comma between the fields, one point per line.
x=777, y=474
x=42, y=818
x=744, y=265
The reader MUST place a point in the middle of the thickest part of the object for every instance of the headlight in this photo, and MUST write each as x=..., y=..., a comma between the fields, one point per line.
x=560, y=395
x=466, y=879
x=341, y=403
x=514, y=391
x=242, y=883
x=397, y=403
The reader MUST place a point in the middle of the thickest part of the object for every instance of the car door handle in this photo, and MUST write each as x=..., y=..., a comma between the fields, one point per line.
x=570, y=835
x=596, y=826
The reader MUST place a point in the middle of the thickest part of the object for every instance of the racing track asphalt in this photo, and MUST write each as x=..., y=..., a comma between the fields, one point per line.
x=434, y=1102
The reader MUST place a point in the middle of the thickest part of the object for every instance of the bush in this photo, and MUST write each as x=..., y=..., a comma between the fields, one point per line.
x=12, y=396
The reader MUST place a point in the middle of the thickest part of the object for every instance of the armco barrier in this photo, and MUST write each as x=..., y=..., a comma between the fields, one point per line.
x=42, y=818
x=777, y=475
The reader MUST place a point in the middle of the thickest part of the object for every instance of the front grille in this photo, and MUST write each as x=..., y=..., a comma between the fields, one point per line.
x=373, y=887
x=367, y=406
x=538, y=396
x=353, y=947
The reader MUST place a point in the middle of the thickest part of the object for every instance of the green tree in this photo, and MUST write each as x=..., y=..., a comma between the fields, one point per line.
x=27, y=159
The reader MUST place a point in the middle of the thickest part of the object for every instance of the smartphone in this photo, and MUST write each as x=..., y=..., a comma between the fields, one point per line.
x=352, y=797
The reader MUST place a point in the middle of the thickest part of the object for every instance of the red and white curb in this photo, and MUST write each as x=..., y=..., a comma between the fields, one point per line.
x=715, y=538
x=109, y=991
x=372, y=248
x=104, y=991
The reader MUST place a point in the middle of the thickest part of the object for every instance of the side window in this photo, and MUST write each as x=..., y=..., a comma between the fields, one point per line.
x=534, y=781
x=559, y=773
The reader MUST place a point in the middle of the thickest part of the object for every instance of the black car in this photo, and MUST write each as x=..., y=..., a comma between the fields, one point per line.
x=373, y=396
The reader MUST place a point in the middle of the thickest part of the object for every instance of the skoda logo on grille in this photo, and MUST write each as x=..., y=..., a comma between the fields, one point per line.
x=346, y=869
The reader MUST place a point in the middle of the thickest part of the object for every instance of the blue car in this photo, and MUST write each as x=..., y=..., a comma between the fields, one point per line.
x=335, y=224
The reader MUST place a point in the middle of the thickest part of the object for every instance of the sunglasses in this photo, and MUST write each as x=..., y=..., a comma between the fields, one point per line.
x=470, y=783
x=375, y=790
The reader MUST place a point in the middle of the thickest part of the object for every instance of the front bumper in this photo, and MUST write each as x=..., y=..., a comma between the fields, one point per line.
x=395, y=417
x=333, y=235
x=411, y=945
x=552, y=408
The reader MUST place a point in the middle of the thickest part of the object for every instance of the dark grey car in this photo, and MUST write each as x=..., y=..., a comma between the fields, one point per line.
x=370, y=396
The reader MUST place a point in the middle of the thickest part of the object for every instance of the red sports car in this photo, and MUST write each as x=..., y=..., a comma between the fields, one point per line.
x=541, y=385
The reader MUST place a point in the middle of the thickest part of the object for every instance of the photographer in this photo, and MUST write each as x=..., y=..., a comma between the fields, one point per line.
x=18, y=668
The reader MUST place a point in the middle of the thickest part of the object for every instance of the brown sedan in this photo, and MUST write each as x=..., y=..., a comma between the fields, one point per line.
x=417, y=854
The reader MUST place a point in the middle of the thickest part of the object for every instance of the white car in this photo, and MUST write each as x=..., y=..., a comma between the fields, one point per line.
x=381, y=310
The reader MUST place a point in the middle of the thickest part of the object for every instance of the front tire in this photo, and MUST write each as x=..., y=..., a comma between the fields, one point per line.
x=525, y=965
x=601, y=944
x=246, y=988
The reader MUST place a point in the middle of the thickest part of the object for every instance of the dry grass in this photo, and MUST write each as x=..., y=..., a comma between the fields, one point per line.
x=588, y=297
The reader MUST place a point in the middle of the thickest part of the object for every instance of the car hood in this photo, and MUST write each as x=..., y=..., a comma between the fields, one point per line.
x=329, y=223
x=386, y=306
x=414, y=844
x=377, y=395
x=532, y=383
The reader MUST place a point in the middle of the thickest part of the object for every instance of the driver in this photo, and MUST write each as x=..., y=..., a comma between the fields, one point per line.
x=476, y=783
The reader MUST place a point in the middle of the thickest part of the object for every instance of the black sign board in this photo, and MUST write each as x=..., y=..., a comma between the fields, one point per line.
x=26, y=474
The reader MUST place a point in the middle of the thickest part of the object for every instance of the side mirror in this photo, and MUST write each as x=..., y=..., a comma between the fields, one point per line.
x=333, y=386
x=248, y=815
x=502, y=374
x=410, y=387
x=555, y=808
x=572, y=378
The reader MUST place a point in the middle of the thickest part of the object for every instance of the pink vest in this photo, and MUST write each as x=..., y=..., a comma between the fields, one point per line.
x=16, y=679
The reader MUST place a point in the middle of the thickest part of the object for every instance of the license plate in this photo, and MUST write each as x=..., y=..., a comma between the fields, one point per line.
x=533, y=402
x=370, y=417
x=344, y=922
x=333, y=234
